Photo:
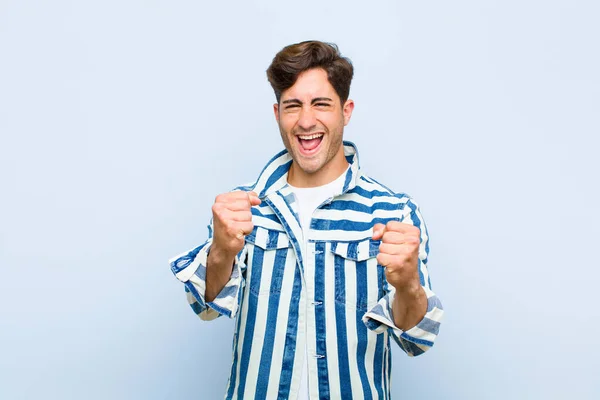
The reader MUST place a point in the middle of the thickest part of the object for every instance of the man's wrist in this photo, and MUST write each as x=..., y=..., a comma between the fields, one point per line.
x=218, y=256
x=219, y=267
x=409, y=306
x=414, y=290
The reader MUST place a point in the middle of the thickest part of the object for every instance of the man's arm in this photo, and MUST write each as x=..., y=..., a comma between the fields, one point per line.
x=409, y=307
x=212, y=272
x=218, y=272
x=399, y=253
x=410, y=311
x=232, y=218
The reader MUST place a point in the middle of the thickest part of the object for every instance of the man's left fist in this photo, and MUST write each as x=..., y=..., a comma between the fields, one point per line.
x=399, y=253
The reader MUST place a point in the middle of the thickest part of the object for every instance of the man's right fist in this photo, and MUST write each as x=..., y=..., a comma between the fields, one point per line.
x=232, y=220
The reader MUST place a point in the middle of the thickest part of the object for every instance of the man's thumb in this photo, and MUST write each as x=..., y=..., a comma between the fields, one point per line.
x=254, y=200
x=378, y=230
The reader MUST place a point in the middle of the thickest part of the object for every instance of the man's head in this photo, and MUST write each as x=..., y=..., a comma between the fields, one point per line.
x=311, y=81
x=294, y=59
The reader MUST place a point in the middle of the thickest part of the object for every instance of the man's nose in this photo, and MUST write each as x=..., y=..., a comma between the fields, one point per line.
x=307, y=119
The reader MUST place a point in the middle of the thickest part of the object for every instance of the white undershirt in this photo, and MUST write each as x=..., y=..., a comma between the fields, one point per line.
x=307, y=201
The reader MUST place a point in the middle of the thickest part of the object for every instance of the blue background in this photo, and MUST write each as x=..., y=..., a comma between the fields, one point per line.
x=120, y=121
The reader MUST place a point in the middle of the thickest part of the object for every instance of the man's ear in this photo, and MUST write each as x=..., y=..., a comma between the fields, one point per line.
x=276, y=111
x=347, y=111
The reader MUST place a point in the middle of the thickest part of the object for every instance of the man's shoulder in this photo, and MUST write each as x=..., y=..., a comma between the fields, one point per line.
x=369, y=187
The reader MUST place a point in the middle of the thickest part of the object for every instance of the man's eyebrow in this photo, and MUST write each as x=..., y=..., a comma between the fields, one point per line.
x=320, y=99
x=295, y=101
x=313, y=101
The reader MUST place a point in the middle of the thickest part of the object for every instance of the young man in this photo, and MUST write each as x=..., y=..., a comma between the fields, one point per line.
x=320, y=265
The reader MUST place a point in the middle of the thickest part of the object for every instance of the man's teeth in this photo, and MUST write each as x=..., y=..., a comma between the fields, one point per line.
x=313, y=136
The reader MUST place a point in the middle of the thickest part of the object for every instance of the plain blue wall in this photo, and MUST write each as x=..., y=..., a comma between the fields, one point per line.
x=121, y=120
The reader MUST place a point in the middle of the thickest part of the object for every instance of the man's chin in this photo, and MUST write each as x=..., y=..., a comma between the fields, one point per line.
x=307, y=166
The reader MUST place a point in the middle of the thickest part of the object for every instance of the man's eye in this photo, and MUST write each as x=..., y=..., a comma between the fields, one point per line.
x=322, y=104
x=292, y=106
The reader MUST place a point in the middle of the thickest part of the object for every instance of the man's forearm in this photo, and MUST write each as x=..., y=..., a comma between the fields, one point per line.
x=218, y=272
x=409, y=307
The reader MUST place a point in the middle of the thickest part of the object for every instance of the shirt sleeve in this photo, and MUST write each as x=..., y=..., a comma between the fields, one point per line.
x=421, y=337
x=190, y=269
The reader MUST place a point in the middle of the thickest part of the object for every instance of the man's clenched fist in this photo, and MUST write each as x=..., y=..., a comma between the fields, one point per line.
x=232, y=220
x=399, y=253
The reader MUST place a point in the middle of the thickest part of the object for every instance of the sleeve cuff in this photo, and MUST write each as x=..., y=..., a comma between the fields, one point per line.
x=415, y=340
x=190, y=269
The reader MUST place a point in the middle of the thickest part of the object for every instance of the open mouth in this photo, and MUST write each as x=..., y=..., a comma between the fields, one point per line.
x=310, y=143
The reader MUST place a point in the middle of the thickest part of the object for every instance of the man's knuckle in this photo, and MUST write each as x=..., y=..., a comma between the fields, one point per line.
x=415, y=241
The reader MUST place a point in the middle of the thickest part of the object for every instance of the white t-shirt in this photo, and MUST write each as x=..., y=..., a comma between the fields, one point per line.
x=307, y=201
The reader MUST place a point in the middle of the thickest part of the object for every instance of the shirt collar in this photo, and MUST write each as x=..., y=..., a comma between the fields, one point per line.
x=273, y=177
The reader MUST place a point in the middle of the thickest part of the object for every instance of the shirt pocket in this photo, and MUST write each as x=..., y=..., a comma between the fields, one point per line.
x=268, y=251
x=358, y=278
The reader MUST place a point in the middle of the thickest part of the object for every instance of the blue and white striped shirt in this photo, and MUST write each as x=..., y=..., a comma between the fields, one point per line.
x=331, y=295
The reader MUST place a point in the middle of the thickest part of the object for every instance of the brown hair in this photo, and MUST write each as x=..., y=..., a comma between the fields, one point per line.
x=294, y=59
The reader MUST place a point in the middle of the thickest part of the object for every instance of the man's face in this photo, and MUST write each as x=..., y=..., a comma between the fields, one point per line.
x=311, y=122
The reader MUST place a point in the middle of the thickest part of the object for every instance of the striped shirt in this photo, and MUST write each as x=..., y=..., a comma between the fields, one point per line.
x=330, y=296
